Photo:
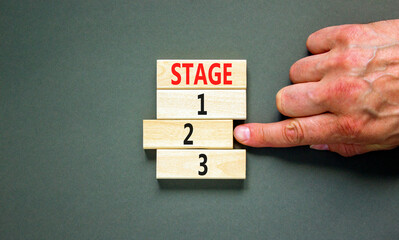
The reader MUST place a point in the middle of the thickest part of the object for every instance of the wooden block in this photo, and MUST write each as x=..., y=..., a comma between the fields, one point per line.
x=201, y=104
x=201, y=74
x=187, y=134
x=201, y=164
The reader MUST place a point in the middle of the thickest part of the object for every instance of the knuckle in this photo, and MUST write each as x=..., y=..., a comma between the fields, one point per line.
x=347, y=59
x=348, y=32
x=347, y=151
x=342, y=88
x=317, y=96
x=330, y=63
x=262, y=134
x=349, y=127
x=347, y=88
x=355, y=58
x=351, y=29
x=343, y=59
x=293, y=133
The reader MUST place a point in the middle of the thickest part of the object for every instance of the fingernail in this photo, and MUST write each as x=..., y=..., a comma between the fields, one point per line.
x=241, y=133
x=322, y=147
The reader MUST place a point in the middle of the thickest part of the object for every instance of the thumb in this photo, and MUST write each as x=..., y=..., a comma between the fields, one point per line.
x=269, y=134
x=323, y=128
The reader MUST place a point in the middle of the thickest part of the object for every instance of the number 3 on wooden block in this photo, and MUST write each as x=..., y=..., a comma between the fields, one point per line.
x=203, y=164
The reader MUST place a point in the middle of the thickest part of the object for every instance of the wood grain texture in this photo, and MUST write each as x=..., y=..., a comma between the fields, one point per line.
x=172, y=133
x=186, y=104
x=165, y=75
x=185, y=164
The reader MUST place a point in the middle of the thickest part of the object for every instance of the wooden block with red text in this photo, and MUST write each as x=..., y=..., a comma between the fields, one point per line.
x=201, y=104
x=187, y=134
x=201, y=164
x=201, y=74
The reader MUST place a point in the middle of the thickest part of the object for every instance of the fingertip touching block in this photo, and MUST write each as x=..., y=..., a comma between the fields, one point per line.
x=201, y=104
x=201, y=74
x=201, y=164
x=158, y=134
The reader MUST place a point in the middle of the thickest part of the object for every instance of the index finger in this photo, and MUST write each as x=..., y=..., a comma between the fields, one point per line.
x=318, y=129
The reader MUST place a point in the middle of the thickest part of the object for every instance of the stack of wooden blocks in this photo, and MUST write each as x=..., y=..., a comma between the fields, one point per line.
x=197, y=101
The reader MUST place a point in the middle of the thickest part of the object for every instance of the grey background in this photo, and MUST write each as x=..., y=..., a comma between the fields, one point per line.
x=78, y=77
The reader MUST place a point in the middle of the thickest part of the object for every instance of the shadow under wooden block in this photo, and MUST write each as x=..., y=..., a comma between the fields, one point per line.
x=205, y=184
x=150, y=154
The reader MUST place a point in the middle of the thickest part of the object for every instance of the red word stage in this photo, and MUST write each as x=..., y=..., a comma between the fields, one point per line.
x=214, y=75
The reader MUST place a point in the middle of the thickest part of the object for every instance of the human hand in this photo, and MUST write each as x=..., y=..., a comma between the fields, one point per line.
x=345, y=98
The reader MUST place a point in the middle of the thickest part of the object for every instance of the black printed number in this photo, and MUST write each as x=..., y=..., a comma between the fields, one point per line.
x=186, y=140
x=202, y=111
x=203, y=164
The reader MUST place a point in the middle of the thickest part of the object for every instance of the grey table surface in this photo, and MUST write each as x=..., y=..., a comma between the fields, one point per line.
x=78, y=77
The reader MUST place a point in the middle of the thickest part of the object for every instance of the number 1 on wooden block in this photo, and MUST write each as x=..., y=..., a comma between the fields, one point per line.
x=202, y=111
x=201, y=104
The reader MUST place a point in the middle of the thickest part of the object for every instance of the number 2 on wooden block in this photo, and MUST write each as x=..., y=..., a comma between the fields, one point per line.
x=191, y=129
x=202, y=98
x=203, y=164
